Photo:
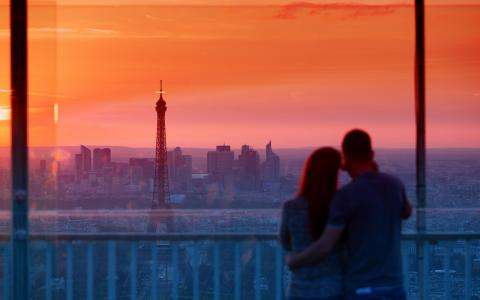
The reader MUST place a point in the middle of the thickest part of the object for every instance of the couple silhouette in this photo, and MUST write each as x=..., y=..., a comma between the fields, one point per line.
x=345, y=243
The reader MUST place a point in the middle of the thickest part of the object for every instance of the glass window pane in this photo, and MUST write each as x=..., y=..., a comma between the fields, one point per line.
x=5, y=113
x=453, y=136
x=453, y=140
x=250, y=90
x=5, y=149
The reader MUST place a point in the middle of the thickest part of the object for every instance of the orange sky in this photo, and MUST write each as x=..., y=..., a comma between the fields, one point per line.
x=299, y=74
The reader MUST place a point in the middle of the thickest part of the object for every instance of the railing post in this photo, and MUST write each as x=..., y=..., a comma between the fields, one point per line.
x=196, y=275
x=447, y=276
x=216, y=271
x=90, y=271
x=154, y=273
x=468, y=270
x=420, y=132
x=69, y=271
x=48, y=271
x=258, y=271
x=6, y=272
x=406, y=251
x=278, y=273
x=112, y=270
x=133, y=270
x=238, y=272
x=19, y=150
x=175, y=272
x=425, y=271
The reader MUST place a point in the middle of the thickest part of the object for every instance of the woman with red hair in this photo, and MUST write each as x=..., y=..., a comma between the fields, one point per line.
x=303, y=221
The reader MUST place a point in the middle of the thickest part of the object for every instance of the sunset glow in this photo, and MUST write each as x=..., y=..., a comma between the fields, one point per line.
x=4, y=113
x=300, y=74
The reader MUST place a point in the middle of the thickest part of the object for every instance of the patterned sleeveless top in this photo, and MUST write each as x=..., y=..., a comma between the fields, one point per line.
x=323, y=280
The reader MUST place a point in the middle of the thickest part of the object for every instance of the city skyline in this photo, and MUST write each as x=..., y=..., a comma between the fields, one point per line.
x=93, y=181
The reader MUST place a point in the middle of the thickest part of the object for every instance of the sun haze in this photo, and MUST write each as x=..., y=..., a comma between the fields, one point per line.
x=300, y=74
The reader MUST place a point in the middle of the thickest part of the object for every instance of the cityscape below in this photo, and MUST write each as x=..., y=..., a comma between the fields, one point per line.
x=95, y=190
x=247, y=188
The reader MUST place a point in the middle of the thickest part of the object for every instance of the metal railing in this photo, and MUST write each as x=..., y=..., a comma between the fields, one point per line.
x=219, y=266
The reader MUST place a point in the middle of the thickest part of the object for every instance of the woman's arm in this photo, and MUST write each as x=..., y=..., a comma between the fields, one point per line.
x=406, y=205
x=316, y=251
x=284, y=233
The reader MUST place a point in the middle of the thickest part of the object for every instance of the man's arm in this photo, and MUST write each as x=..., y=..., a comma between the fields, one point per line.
x=407, y=206
x=316, y=251
x=284, y=234
x=407, y=210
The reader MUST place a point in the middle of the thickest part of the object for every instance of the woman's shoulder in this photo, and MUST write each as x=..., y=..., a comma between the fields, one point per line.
x=295, y=203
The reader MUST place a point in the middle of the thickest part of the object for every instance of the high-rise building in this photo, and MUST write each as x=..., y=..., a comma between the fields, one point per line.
x=179, y=171
x=249, y=169
x=86, y=159
x=101, y=158
x=97, y=159
x=271, y=166
x=78, y=166
x=146, y=165
x=83, y=162
x=161, y=185
x=220, y=163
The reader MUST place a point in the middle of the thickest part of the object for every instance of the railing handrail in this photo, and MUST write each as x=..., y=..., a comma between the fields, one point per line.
x=231, y=236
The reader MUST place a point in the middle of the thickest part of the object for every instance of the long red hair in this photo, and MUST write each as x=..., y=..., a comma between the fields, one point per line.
x=318, y=186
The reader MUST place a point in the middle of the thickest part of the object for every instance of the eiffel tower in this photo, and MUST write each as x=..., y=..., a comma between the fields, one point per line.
x=160, y=220
x=161, y=192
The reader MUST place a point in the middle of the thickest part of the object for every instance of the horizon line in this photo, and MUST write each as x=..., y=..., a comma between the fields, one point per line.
x=239, y=147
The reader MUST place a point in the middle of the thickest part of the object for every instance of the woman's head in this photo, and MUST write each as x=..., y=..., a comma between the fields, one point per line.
x=319, y=184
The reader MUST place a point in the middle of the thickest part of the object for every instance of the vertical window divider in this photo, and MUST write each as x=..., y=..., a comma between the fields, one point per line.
x=19, y=147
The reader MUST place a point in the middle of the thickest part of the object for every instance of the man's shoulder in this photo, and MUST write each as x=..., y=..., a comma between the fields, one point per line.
x=375, y=176
x=389, y=178
x=355, y=187
x=347, y=188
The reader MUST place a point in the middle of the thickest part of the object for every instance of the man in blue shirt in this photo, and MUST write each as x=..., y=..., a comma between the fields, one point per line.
x=368, y=212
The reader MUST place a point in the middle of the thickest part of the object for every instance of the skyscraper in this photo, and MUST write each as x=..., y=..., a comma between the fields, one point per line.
x=101, y=158
x=147, y=165
x=249, y=169
x=78, y=166
x=86, y=158
x=83, y=162
x=161, y=186
x=179, y=171
x=271, y=166
x=220, y=162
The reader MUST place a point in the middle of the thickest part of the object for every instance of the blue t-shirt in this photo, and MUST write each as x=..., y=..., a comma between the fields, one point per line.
x=369, y=209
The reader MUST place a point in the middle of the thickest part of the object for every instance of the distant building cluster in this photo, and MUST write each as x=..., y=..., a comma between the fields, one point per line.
x=102, y=159
x=221, y=178
x=95, y=180
x=246, y=173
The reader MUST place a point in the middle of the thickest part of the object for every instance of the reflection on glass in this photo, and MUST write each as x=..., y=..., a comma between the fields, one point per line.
x=174, y=191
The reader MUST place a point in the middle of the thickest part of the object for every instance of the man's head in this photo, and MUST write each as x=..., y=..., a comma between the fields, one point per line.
x=357, y=151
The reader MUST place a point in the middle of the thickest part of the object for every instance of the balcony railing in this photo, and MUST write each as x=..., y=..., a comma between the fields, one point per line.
x=218, y=266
